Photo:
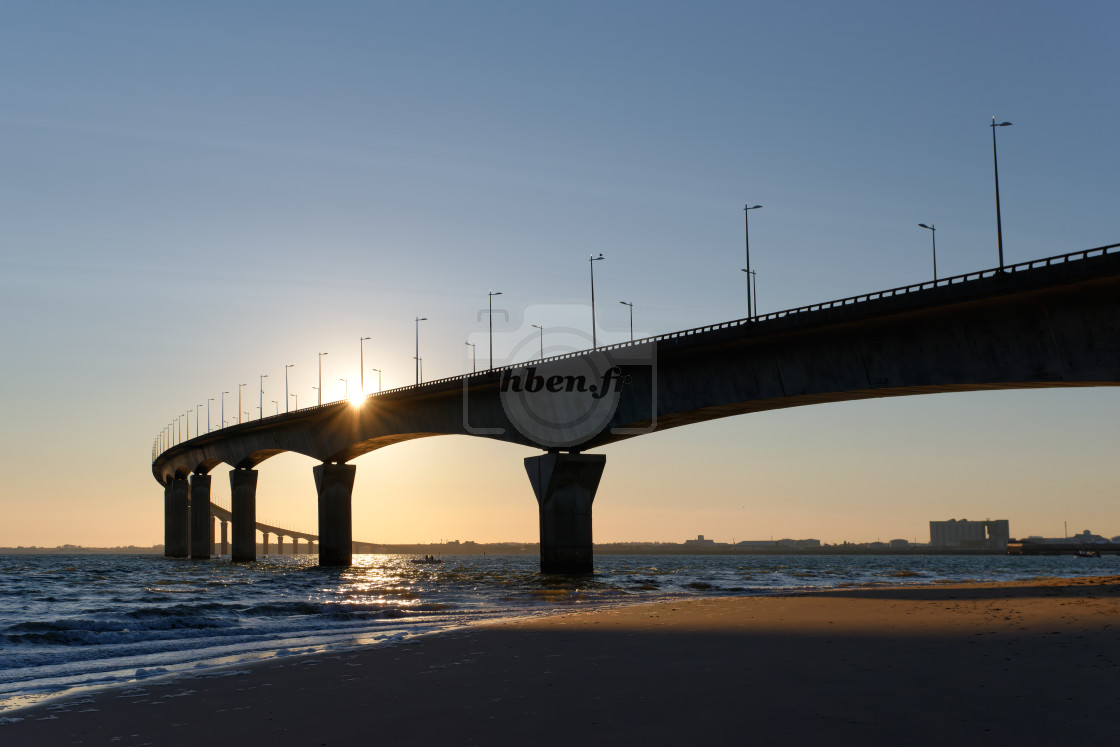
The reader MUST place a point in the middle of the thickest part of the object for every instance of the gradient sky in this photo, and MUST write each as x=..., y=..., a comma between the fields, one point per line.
x=197, y=193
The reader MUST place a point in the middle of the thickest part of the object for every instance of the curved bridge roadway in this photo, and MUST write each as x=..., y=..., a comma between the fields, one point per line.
x=1047, y=323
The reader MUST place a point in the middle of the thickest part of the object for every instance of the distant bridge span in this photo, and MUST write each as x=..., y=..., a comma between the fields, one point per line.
x=1048, y=323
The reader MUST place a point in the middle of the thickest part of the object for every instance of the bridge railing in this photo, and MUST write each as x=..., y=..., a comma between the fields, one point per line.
x=1058, y=259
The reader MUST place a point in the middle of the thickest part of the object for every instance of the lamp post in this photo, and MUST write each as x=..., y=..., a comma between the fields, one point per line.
x=277, y=406
x=297, y=399
x=189, y=424
x=239, y=403
x=627, y=303
x=208, y=414
x=346, y=389
x=260, y=407
x=197, y=411
x=378, y=370
x=418, y=320
x=995, y=167
x=286, y=385
x=362, y=365
x=320, y=387
x=747, y=208
x=490, y=299
x=933, y=236
x=592, y=260
x=537, y=326
x=474, y=357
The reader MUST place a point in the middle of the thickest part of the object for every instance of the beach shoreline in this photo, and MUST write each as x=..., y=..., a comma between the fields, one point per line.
x=1028, y=661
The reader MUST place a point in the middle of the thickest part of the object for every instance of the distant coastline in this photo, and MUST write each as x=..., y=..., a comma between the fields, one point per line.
x=532, y=548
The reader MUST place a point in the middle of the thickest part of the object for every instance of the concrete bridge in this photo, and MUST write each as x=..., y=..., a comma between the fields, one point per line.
x=219, y=514
x=1053, y=322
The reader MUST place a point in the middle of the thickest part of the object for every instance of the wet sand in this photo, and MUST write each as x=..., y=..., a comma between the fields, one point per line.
x=1031, y=662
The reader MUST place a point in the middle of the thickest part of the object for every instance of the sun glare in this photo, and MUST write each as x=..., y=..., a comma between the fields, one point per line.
x=356, y=400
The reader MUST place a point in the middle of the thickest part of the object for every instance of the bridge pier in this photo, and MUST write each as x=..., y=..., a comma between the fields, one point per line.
x=225, y=539
x=202, y=537
x=176, y=518
x=565, y=486
x=279, y=544
x=264, y=543
x=243, y=507
x=335, y=486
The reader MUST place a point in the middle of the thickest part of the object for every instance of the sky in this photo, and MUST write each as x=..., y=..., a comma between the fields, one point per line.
x=198, y=193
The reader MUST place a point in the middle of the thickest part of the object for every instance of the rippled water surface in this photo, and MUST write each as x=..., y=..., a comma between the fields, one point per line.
x=69, y=621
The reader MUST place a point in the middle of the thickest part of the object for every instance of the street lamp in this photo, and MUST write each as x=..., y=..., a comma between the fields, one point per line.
x=346, y=390
x=239, y=403
x=933, y=235
x=208, y=414
x=418, y=320
x=297, y=399
x=277, y=406
x=592, y=260
x=362, y=364
x=378, y=370
x=224, y=408
x=197, y=411
x=189, y=424
x=320, y=387
x=747, y=208
x=627, y=303
x=542, y=339
x=490, y=299
x=286, y=385
x=995, y=166
x=260, y=407
x=474, y=357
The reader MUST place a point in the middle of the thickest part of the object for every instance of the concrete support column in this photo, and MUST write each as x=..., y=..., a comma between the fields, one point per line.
x=279, y=544
x=565, y=486
x=335, y=485
x=202, y=536
x=214, y=535
x=225, y=539
x=311, y=547
x=295, y=545
x=264, y=543
x=176, y=519
x=243, y=506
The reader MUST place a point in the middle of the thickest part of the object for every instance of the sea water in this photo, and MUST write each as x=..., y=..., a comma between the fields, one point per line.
x=76, y=621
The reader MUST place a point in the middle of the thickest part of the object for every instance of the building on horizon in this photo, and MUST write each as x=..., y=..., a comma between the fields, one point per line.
x=965, y=534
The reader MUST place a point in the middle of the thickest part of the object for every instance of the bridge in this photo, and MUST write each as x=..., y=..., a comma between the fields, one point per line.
x=223, y=515
x=1052, y=322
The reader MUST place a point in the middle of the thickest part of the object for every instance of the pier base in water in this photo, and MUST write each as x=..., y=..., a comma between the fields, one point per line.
x=565, y=486
x=202, y=529
x=176, y=518
x=335, y=485
x=243, y=507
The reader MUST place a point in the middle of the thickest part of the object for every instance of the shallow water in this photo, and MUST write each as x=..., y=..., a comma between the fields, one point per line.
x=74, y=621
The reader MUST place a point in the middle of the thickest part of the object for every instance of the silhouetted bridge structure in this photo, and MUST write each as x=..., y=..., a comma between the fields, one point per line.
x=1052, y=322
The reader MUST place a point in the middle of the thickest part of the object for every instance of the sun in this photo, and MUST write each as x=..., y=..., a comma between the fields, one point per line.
x=356, y=399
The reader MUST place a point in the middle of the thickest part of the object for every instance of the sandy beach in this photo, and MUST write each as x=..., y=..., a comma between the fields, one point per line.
x=1032, y=662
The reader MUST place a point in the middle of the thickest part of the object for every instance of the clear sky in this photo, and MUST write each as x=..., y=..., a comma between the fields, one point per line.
x=197, y=193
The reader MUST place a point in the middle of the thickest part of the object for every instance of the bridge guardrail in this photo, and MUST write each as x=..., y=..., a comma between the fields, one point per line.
x=850, y=300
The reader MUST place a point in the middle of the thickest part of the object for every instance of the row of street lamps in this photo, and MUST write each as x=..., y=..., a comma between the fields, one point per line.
x=172, y=432
x=752, y=309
